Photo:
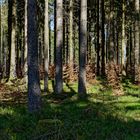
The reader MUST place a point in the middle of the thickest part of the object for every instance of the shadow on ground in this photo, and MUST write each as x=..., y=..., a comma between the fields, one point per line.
x=70, y=120
x=99, y=117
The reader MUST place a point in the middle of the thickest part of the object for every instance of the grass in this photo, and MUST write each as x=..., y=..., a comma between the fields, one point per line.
x=101, y=116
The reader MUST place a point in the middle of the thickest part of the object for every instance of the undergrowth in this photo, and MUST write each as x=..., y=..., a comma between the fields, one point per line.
x=102, y=116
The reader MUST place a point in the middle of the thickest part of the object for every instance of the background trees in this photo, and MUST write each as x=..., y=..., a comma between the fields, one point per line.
x=54, y=51
x=69, y=41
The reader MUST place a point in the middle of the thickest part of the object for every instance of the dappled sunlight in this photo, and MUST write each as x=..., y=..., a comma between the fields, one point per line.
x=69, y=70
x=66, y=116
x=6, y=111
x=74, y=119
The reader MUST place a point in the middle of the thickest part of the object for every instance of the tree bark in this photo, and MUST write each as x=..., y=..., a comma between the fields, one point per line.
x=103, y=39
x=46, y=46
x=71, y=38
x=25, y=44
x=98, y=38
x=123, y=63
x=82, y=49
x=34, y=98
x=137, y=43
x=59, y=46
x=13, y=74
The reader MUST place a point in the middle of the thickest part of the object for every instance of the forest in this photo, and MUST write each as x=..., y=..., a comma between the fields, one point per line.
x=69, y=70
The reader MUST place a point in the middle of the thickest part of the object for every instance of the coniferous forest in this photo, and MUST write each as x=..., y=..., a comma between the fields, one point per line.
x=69, y=70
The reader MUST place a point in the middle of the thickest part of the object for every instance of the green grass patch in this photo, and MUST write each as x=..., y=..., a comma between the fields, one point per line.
x=101, y=116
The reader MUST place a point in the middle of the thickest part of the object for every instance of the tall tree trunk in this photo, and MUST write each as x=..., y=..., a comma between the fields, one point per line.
x=130, y=45
x=55, y=31
x=25, y=44
x=117, y=46
x=71, y=38
x=111, y=38
x=0, y=44
x=133, y=52
x=98, y=38
x=59, y=46
x=46, y=46
x=103, y=39
x=4, y=54
x=74, y=43
x=13, y=74
x=64, y=34
x=9, y=33
x=67, y=40
x=34, y=98
x=123, y=40
x=137, y=43
x=83, y=49
x=50, y=44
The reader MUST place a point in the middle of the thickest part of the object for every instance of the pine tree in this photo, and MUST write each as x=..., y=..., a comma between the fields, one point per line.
x=83, y=49
x=34, y=99
x=59, y=46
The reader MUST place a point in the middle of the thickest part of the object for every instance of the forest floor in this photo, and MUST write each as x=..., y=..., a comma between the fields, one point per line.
x=102, y=116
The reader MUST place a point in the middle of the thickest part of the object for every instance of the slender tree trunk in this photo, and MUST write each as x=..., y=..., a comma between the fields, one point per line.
x=46, y=46
x=25, y=44
x=74, y=43
x=13, y=74
x=2, y=50
x=55, y=31
x=0, y=44
x=111, y=38
x=117, y=44
x=83, y=49
x=67, y=43
x=50, y=44
x=4, y=54
x=34, y=98
x=137, y=43
x=59, y=46
x=98, y=38
x=9, y=33
x=40, y=44
x=71, y=37
x=64, y=35
x=67, y=35
x=103, y=39
x=133, y=52
x=131, y=47
x=123, y=40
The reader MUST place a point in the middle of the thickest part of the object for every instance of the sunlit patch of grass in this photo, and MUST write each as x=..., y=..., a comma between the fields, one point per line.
x=6, y=111
x=128, y=99
x=100, y=116
x=94, y=89
x=130, y=106
x=131, y=89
